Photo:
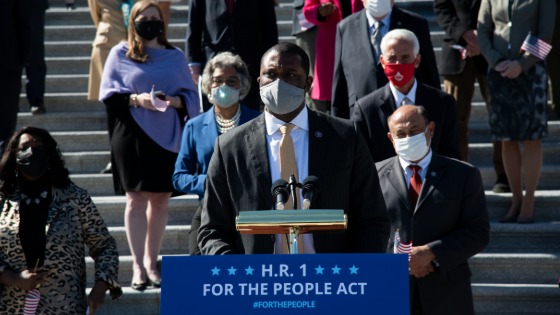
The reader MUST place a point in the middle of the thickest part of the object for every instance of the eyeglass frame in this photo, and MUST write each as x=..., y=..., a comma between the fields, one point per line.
x=232, y=81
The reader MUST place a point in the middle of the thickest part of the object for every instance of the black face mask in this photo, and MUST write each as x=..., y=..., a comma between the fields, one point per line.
x=32, y=161
x=149, y=30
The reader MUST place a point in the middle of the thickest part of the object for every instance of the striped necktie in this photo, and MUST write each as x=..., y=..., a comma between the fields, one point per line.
x=376, y=37
x=406, y=101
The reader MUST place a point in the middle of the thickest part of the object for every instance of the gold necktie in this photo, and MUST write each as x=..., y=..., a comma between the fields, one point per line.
x=288, y=164
x=288, y=167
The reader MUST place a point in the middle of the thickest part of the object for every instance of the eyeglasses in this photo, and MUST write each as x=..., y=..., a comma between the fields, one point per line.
x=231, y=81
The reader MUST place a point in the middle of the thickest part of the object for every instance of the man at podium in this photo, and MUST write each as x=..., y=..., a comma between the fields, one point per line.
x=290, y=139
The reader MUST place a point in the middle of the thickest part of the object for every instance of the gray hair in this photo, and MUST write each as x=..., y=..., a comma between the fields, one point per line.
x=400, y=34
x=223, y=60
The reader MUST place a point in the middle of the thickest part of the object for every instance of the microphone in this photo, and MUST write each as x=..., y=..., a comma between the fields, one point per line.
x=280, y=193
x=309, y=190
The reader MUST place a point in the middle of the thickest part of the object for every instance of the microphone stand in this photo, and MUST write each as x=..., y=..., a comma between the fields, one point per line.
x=294, y=230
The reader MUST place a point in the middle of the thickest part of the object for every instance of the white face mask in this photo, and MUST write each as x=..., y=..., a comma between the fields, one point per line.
x=378, y=8
x=224, y=96
x=412, y=148
x=281, y=98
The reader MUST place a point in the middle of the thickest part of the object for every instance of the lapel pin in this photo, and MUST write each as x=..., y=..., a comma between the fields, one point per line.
x=434, y=174
x=318, y=134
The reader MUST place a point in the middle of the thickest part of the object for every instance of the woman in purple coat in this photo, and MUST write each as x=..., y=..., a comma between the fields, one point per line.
x=146, y=138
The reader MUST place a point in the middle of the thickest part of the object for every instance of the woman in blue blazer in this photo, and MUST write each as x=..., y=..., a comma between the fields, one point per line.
x=226, y=82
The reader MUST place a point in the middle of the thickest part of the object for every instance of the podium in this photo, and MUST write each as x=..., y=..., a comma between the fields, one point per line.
x=292, y=222
x=304, y=284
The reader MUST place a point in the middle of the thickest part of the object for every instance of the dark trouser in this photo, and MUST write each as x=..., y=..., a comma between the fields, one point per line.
x=461, y=86
x=10, y=88
x=36, y=69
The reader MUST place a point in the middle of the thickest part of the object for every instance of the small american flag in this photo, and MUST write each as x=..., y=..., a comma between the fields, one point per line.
x=536, y=47
x=401, y=248
x=31, y=302
x=461, y=50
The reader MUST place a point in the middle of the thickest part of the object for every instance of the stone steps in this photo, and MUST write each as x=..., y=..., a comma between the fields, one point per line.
x=512, y=268
x=65, y=121
x=547, y=204
x=507, y=268
x=181, y=209
x=92, y=161
x=101, y=184
x=490, y=299
x=93, y=118
x=175, y=241
x=78, y=141
x=539, y=237
x=175, y=30
x=132, y=302
x=522, y=299
x=516, y=274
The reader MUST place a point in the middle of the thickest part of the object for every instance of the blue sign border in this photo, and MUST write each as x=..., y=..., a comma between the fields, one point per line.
x=285, y=284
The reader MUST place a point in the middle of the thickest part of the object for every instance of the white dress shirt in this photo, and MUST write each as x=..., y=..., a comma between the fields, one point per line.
x=423, y=163
x=398, y=96
x=300, y=137
x=371, y=23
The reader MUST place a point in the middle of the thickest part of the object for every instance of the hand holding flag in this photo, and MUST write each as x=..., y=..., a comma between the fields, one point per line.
x=536, y=47
x=461, y=50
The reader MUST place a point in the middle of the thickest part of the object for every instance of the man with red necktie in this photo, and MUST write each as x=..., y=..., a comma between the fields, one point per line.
x=437, y=204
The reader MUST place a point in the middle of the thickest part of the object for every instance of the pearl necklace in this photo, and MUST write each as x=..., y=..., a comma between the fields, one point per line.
x=226, y=124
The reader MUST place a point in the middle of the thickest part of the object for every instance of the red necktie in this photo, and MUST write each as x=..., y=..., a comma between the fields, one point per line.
x=415, y=186
x=229, y=4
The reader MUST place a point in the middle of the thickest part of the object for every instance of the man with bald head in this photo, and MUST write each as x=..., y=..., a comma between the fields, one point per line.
x=400, y=58
x=438, y=215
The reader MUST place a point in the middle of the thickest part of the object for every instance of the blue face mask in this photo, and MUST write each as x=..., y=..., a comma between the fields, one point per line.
x=281, y=98
x=224, y=96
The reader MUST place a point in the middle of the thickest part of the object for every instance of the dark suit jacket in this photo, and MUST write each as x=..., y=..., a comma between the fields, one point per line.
x=239, y=179
x=250, y=32
x=355, y=72
x=371, y=113
x=456, y=17
x=450, y=217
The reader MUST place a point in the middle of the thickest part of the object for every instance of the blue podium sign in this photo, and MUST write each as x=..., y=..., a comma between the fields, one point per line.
x=285, y=284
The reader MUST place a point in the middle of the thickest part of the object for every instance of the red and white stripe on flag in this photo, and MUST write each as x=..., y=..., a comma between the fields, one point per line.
x=31, y=302
x=536, y=47
x=400, y=247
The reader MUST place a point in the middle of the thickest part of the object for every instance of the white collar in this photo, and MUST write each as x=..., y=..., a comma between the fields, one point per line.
x=423, y=163
x=398, y=96
x=273, y=124
x=386, y=20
